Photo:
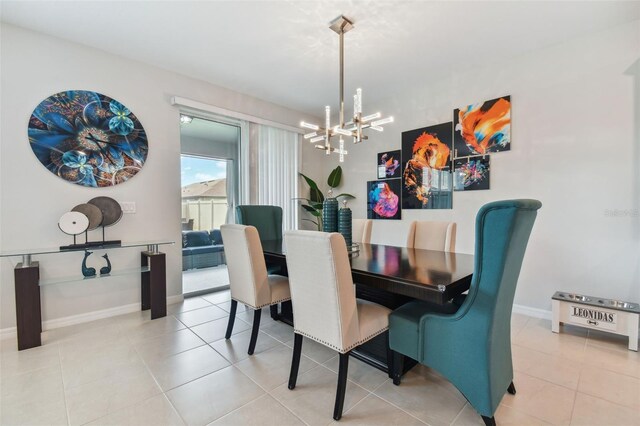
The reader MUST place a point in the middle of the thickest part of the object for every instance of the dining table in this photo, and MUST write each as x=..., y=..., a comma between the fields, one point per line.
x=390, y=276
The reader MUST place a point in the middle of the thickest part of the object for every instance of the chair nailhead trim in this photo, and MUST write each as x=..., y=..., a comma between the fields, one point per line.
x=342, y=351
x=262, y=306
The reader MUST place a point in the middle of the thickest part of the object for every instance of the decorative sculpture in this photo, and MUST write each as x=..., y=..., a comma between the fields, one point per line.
x=87, y=272
x=105, y=270
x=345, y=223
x=98, y=212
x=330, y=213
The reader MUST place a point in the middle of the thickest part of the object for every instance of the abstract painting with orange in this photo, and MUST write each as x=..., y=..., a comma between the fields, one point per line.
x=389, y=165
x=426, y=177
x=483, y=127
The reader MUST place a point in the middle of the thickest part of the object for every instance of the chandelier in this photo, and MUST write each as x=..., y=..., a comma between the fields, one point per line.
x=354, y=128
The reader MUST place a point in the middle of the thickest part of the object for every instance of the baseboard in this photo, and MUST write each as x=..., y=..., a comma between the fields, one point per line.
x=10, y=332
x=531, y=312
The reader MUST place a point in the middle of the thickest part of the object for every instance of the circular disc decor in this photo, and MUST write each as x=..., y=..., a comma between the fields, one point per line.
x=110, y=208
x=92, y=212
x=87, y=138
x=73, y=223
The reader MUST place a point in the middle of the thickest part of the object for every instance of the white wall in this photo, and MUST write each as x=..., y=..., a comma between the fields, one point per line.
x=35, y=66
x=575, y=147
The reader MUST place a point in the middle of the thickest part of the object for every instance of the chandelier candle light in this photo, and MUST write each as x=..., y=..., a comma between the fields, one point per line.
x=356, y=126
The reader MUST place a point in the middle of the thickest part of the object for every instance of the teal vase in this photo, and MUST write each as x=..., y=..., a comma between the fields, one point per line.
x=345, y=224
x=330, y=215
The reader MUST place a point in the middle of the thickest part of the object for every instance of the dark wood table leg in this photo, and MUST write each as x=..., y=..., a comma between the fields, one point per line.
x=154, y=284
x=28, y=307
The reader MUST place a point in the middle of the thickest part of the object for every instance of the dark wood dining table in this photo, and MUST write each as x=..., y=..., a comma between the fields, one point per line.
x=390, y=276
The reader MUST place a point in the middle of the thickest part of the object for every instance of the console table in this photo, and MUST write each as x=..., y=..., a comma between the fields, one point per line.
x=27, y=285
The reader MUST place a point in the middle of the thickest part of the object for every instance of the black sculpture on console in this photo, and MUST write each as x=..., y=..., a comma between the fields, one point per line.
x=87, y=272
x=105, y=270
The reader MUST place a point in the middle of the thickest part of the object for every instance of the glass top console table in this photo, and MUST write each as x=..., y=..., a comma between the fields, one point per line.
x=27, y=284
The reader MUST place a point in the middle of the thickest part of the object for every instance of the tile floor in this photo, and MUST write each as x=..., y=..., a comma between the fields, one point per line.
x=195, y=280
x=180, y=370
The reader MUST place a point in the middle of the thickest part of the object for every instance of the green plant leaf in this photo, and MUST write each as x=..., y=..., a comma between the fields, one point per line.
x=317, y=206
x=311, y=210
x=344, y=194
x=334, y=177
x=316, y=195
x=310, y=181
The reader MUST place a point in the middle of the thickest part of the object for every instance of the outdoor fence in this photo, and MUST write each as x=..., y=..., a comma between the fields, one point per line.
x=206, y=214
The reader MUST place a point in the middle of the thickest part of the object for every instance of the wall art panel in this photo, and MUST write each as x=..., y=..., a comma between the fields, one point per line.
x=87, y=138
x=389, y=165
x=483, y=127
x=426, y=178
x=383, y=199
x=471, y=173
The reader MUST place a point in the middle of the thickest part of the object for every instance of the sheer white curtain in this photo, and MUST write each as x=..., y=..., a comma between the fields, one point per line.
x=275, y=162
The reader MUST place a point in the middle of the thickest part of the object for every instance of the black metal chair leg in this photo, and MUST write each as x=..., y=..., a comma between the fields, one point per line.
x=489, y=421
x=511, y=389
x=398, y=366
x=295, y=361
x=254, y=332
x=273, y=309
x=232, y=319
x=342, y=386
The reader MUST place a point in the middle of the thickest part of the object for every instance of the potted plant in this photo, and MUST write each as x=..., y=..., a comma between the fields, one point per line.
x=316, y=197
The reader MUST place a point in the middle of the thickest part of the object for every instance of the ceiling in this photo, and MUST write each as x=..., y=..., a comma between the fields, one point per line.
x=283, y=51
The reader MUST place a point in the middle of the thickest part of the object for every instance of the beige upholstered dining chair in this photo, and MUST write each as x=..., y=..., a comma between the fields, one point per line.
x=439, y=236
x=393, y=233
x=248, y=277
x=325, y=308
x=361, y=230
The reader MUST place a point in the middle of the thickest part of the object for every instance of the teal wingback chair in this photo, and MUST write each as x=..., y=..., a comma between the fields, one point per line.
x=266, y=219
x=268, y=222
x=472, y=347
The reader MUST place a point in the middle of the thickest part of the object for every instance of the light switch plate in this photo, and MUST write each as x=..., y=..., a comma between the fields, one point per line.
x=128, y=207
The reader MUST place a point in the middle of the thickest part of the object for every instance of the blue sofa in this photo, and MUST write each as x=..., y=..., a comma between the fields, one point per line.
x=202, y=249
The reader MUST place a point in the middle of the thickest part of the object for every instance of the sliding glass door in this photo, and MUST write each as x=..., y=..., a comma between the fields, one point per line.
x=209, y=173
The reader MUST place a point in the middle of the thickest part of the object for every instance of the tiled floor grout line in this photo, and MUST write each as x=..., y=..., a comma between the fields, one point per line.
x=64, y=391
x=162, y=391
x=285, y=407
x=636, y=408
x=268, y=392
x=357, y=403
x=394, y=405
x=575, y=392
x=573, y=406
x=309, y=371
x=459, y=414
x=553, y=383
x=575, y=397
x=109, y=413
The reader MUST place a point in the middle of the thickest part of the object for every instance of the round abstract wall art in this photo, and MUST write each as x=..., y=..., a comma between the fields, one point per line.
x=88, y=138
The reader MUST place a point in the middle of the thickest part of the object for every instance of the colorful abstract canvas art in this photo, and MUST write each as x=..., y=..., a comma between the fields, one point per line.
x=483, y=127
x=471, y=173
x=426, y=177
x=389, y=165
x=87, y=138
x=383, y=199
